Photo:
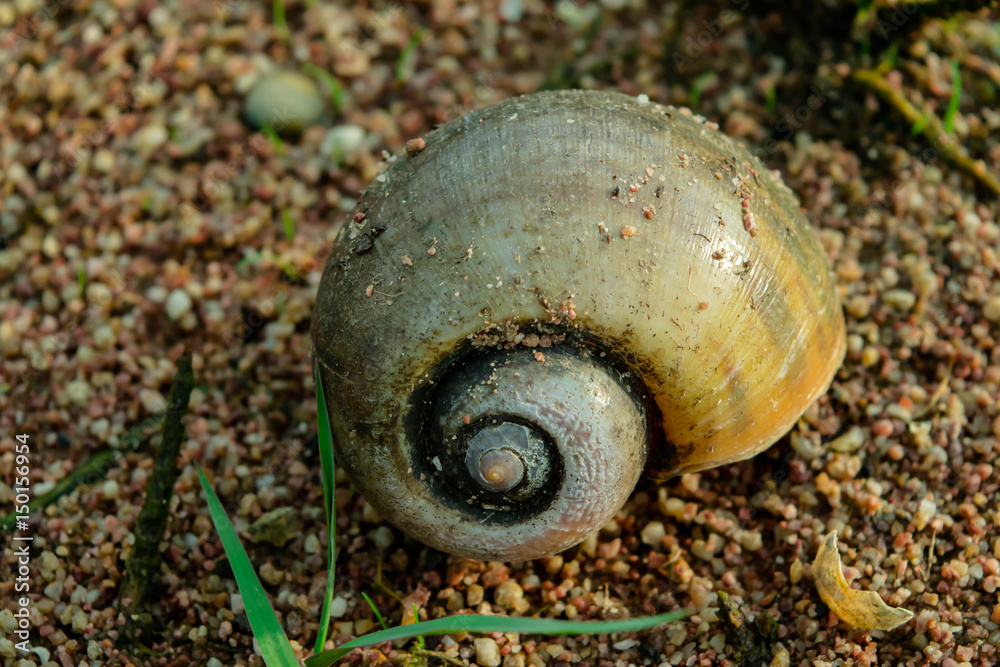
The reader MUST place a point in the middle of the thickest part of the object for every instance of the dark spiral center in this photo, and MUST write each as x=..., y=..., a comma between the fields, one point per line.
x=508, y=457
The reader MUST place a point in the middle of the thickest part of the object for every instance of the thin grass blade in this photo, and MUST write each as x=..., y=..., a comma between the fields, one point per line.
x=955, y=99
x=278, y=16
x=378, y=614
x=406, y=55
x=325, y=437
x=289, y=223
x=270, y=636
x=476, y=623
x=332, y=85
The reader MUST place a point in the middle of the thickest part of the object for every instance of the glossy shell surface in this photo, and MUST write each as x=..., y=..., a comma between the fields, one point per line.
x=625, y=230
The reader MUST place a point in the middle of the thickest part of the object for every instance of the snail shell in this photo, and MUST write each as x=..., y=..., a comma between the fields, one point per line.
x=553, y=293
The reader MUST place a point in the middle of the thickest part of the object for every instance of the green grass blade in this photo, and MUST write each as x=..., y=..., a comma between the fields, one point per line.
x=771, y=98
x=288, y=269
x=278, y=14
x=406, y=55
x=331, y=83
x=270, y=636
x=476, y=623
x=274, y=138
x=956, y=97
x=378, y=614
x=289, y=223
x=325, y=436
x=698, y=86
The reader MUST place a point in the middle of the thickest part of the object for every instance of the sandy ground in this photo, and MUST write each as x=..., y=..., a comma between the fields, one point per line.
x=141, y=215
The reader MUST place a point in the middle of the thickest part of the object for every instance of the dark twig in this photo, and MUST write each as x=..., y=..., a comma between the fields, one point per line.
x=144, y=562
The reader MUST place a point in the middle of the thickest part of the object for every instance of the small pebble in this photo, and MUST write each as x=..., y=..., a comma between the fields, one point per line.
x=178, y=304
x=276, y=527
x=384, y=537
x=509, y=595
x=923, y=515
x=110, y=489
x=991, y=310
x=338, y=607
x=343, y=141
x=105, y=337
x=474, y=595
x=147, y=139
x=152, y=400
x=78, y=391
x=487, y=652
x=850, y=441
x=284, y=101
x=796, y=571
x=653, y=533
x=899, y=299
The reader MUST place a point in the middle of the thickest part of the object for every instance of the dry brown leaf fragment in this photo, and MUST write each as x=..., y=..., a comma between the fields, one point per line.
x=861, y=609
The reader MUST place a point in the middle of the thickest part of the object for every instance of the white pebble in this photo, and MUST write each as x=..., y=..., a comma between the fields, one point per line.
x=343, y=141
x=149, y=138
x=152, y=400
x=850, y=441
x=105, y=337
x=78, y=391
x=157, y=294
x=104, y=161
x=991, y=310
x=94, y=650
x=487, y=652
x=653, y=533
x=110, y=489
x=51, y=247
x=924, y=514
x=49, y=561
x=781, y=657
x=511, y=10
x=338, y=607
x=383, y=537
x=100, y=429
x=54, y=590
x=285, y=101
x=178, y=304
x=900, y=299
